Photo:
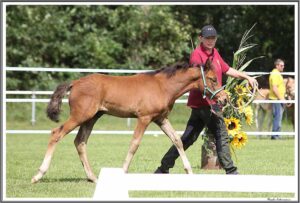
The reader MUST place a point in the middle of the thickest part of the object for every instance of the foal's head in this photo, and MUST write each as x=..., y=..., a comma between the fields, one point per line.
x=213, y=89
x=290, y=88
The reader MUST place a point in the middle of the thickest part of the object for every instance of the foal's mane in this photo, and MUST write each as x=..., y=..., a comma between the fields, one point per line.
x=170, y=70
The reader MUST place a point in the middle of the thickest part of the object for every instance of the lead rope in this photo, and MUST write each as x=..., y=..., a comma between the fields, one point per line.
x=255, y=88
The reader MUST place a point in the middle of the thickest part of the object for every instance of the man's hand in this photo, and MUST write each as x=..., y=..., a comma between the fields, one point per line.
x=238, y=74
x=253, y=82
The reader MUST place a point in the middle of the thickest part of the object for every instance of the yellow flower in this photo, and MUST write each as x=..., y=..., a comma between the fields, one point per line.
x=228, y=93
x=240, y=90
x=233, y=125
x=235, y=141
x=239, y=140
x=249, y=115
x=240, y=103
x=249, y=87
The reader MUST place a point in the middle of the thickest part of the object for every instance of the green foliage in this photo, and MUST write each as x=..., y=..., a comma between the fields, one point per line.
x=239, y=57
x=149, y=43
x=134, y=37
x=239, y=64
x=274, y=31
x=90, y=37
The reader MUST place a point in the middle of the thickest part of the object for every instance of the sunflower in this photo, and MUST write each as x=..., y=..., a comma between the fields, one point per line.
x=233, y=125
x=240, y=90
x=228, y=93
x=249, y=115
x=240, y=102
x=239, y=140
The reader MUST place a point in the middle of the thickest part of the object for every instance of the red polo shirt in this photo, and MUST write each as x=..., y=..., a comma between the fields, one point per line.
x=199, y=56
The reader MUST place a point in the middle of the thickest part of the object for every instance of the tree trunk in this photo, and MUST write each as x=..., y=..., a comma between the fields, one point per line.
x=209, y=159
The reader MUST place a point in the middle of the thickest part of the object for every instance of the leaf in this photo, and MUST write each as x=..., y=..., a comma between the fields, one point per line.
x=248, y=63
x=244, y=49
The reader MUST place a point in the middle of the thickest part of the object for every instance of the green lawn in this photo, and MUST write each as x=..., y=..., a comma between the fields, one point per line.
x=66, y=177
x=19, y=118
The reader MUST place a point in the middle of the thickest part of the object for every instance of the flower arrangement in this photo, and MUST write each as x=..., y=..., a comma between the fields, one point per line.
x=237, y=137
x=239, y=94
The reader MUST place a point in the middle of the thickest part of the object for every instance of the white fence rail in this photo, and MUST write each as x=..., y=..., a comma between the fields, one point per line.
x=114, y=184
x=33, y=100
x=92, y=70
x=130, y=132
x=75, y=70
x=18, y=92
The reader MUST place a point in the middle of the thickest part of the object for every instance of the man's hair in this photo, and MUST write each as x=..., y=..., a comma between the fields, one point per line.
x=277, y=61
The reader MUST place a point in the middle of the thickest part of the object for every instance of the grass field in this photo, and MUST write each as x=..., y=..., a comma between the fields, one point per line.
x=66, y=177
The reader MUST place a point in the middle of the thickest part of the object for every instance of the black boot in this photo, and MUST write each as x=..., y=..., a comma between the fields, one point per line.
x=160, y=170
x=233, y=173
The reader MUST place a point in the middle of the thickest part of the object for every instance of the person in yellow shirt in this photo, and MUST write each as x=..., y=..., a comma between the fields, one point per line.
x=277, y=92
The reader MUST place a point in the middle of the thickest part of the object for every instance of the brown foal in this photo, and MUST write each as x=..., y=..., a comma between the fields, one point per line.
x=149, y=97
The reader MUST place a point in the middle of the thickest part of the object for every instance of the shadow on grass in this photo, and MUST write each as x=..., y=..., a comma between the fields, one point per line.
x=70, y=180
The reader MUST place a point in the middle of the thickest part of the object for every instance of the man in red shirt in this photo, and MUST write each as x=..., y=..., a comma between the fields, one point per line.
x=202, y=115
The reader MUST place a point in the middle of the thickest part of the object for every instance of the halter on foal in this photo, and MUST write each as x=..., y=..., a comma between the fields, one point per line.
x=147, y=97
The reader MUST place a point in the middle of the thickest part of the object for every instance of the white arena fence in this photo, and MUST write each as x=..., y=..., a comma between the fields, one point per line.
x=114, y=184
x=91, y=70
x=34, y=100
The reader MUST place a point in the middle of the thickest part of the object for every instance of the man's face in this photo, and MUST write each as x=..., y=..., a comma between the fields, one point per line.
x=280, y=66
x=208, y=42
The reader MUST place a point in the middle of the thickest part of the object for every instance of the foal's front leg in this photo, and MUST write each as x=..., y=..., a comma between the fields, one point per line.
x=167, y=128
x=142, y=124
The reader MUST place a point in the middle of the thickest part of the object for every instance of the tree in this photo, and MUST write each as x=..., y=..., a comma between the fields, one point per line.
x=135, y=37
x=90, y=37
x=274, y=31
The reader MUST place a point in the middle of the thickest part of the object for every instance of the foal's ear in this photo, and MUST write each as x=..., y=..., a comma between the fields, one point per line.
x=207, y=65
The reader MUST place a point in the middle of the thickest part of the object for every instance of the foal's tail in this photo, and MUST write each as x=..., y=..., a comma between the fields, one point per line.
x=53, y=109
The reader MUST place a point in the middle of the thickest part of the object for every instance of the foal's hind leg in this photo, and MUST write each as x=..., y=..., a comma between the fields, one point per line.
x=56, y=135
x=167, y=128
x=142, y=124
x=81, y=142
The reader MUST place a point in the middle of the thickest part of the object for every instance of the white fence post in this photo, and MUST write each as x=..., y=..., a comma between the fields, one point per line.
x=33, y=108
x=111, y=185
x=114, y=184
x=128, y=122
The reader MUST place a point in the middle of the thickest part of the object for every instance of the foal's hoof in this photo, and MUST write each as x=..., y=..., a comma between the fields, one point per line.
x=188, y=171
x=92, y=180
x=34, y=180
